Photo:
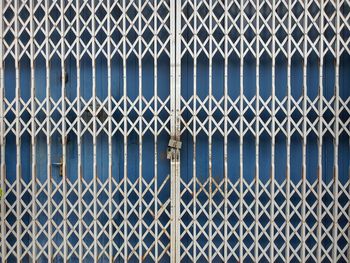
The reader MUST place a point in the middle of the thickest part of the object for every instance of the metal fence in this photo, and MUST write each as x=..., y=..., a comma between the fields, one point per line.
x=160, y=130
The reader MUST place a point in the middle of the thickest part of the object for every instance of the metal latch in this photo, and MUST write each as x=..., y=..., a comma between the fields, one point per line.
x=60, y=165
x=173, y=145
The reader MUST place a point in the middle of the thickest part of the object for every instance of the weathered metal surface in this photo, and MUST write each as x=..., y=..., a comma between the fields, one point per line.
x=248, y=100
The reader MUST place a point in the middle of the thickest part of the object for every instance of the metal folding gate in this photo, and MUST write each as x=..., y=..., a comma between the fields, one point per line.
x=187, y=130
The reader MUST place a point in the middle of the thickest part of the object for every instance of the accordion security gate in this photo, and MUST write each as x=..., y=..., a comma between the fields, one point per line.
x=256, y=91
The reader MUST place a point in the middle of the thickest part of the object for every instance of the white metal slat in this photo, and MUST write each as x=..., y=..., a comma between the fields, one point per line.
x=33, y=135
x=140, y=126
x=18, y=138
x=226, y=131
x=241, y=138
x=273, y=134
x=320, y=139
x=110, y=157
x=210, y=165
x=257, y=138
x=94, y=129
x=174, y=129
x=335, y=236
x=194, y=132
x=155, y=79
x=79, y=150
x=288, y=146
x=125, y=139
x=48, y=131
x=63, y=131
x=2, y=138
x=304, y=95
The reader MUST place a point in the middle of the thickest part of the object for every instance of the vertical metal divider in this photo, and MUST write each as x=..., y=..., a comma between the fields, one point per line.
x=155, y=103
x=273, y=136
x=178, y=126
x=110, y=130
x=241, y=129
x=210, y=120
x=304, y=136
x=140, y=179
x=125, y=138
x=2, y=139
x=79, y=135
x=335, y=190
x=288, y=128
x=257, y=132
x=48, y=131
x=94, y=133
x=33, y=131
x=63, y=131
x=225, y=128
x=173, y=65
x=18, y=136
x=175, y=99
x=195, y=133
x=320, y=139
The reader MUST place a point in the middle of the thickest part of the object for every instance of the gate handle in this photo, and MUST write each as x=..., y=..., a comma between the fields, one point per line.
x=60, y=165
